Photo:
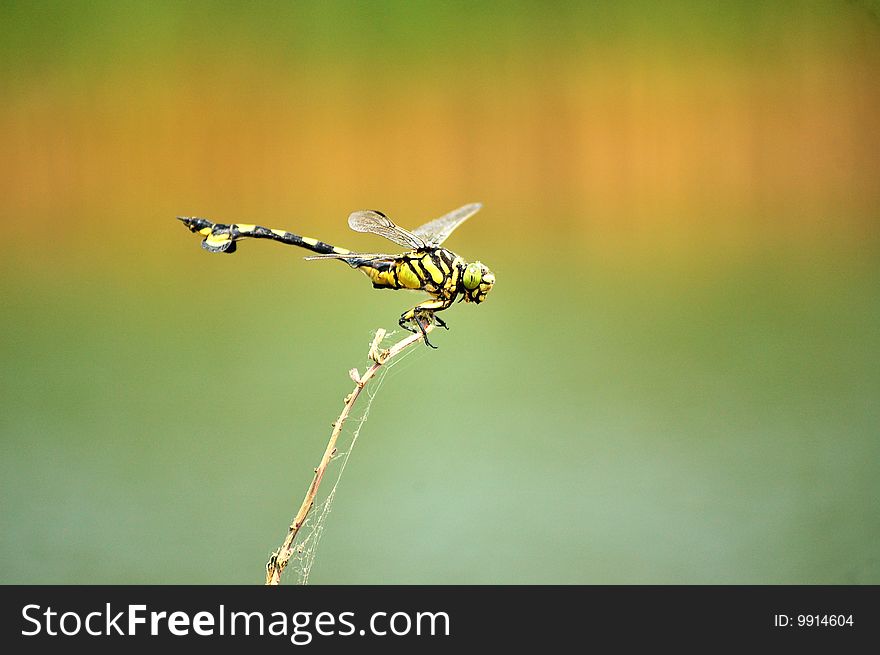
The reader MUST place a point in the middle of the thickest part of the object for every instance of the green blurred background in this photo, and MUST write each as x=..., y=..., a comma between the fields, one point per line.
x=675, y=380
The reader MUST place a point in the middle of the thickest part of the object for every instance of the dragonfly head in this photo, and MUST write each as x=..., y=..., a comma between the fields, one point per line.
x=477, y=281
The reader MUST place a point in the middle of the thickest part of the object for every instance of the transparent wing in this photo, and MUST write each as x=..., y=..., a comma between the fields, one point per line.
x=365, y=256
x=376, y=222
x=438, y=230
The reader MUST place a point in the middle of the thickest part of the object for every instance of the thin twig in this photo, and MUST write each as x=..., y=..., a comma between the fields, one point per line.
x=279, y=559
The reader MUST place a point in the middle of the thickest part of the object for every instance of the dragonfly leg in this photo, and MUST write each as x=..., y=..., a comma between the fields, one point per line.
x=412, y=321
x=427, y=312
x=422, y=330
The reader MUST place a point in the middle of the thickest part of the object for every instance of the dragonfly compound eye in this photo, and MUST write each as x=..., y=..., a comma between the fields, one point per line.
x=477, y=280
x=472, y=275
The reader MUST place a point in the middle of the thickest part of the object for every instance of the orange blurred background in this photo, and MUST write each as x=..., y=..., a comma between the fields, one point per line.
x=711, y=128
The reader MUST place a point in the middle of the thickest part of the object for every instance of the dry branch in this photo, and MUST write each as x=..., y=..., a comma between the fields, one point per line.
x=279, y=559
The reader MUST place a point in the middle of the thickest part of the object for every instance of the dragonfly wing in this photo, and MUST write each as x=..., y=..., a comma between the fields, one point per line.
x=378, y=223
x=365, y=256
x=437, y=231
x=358, y=259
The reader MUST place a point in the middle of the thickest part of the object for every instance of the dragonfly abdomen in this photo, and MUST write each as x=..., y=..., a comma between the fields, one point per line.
x=220, y=237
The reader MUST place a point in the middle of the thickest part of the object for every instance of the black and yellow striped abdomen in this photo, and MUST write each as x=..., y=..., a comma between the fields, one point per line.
x=220, y=237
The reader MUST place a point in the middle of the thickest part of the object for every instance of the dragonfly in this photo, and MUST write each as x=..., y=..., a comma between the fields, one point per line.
x=423, y=266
